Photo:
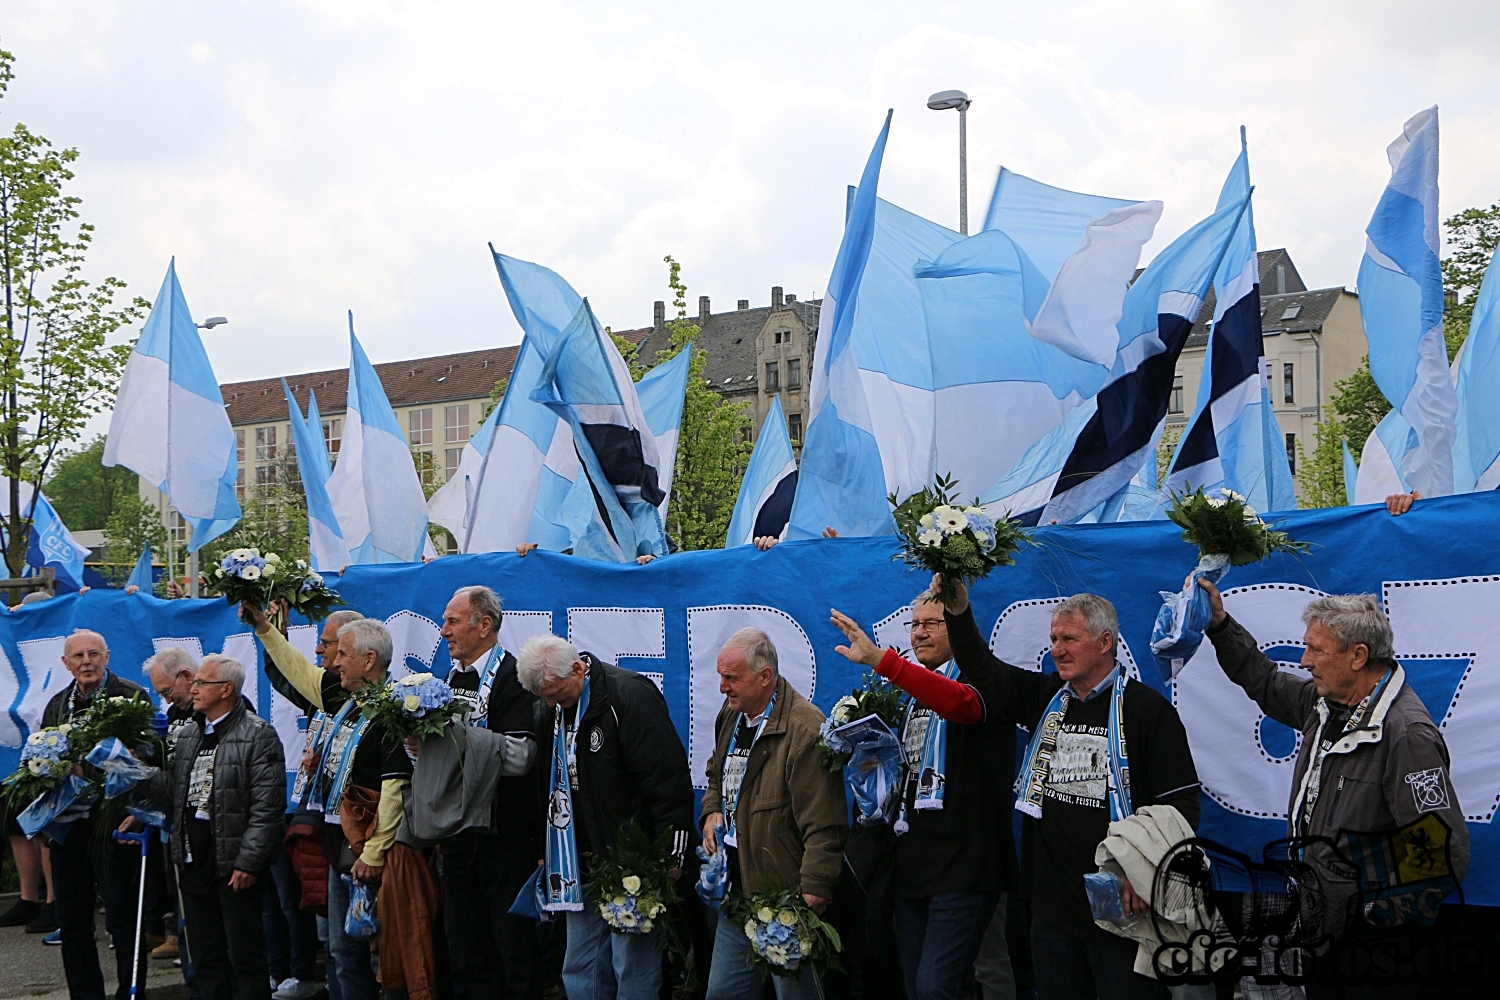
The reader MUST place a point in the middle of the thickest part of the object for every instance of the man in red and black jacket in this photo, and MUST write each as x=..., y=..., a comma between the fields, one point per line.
x=955, y=856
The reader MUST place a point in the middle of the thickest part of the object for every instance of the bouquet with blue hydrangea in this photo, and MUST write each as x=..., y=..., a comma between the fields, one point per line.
x=307, y=593
x=269, y=581
x=416, y=705
x=47, y=758
x=632, y=885
x=960, y=542
x=786, y=935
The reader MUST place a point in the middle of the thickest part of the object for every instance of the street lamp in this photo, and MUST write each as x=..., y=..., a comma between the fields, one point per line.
x=957, y=100
x=212, y=322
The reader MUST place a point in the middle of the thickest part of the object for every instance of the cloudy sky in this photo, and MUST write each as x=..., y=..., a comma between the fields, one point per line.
x=302, y=159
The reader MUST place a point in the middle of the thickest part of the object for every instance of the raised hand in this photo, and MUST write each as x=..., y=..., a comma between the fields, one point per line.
x=860, y=648
x=960, y=601
x=1215, y=602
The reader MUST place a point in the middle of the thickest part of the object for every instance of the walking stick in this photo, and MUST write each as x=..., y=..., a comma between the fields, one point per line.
x=142, y=838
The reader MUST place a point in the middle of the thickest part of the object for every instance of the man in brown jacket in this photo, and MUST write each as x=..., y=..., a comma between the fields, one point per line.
x=782, y=816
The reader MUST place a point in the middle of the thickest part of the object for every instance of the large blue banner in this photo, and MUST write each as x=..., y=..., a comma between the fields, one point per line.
x=1437, y=570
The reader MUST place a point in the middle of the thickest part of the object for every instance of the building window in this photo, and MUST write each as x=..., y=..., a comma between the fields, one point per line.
x=177, y=528
x=1174, y=404
x=265, y=444
x=419, y=424
x=456, y=423
x=333, y=436
x=451, y=458
x=773, y=376
x=794, y=427
x=265, y=475
x=239, y=479
x=1288, y=385
x=239, y=446
x=426, y=467
x=1291, y=452
x=794, y=373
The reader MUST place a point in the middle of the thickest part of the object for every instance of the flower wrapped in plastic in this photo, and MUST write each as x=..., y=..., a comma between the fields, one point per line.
x=1227, y=532
x=632, y=885
x=47, y=759
x=786, y=935
x=416, y=705
x=960, y=542
x=875, y=696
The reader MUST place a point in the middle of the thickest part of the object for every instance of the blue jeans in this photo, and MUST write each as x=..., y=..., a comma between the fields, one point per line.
x=732, y=977
x=1082, y=965
x=939, y=939
x=291, y=932
x=602, y=965
x=352, y=954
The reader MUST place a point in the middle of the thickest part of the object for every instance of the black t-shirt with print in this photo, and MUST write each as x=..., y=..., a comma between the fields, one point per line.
x=200, y=832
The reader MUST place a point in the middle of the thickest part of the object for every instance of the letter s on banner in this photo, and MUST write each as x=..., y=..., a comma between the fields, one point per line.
x=46, y=676
x=708, y=630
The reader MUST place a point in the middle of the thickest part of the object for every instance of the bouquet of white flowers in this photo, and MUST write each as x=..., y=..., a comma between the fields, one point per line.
x=785, y=933
x=961, y=543
x=874, y=696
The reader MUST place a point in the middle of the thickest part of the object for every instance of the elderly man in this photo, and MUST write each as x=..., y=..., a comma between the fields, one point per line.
x=88, y=861
x=954, y=854
x=228, y=790
x=1371, y=760
x=615, y=760
x=170, y=673
x=782, y=814
x=1103, y=746
x=494, y=953
x=354, y=753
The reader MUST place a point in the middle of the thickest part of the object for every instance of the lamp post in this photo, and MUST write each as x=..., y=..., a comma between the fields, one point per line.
x=192, y=559
x=957, y=100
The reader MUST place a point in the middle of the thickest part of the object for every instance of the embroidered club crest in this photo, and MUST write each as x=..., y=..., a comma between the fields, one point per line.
x=596, y=739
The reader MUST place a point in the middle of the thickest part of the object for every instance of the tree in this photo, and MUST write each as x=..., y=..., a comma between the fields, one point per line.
x=1473, y=235
x=713, y=447
x=83, y=491
x=273, y=518
x=56, y=369
x=1356, y=406
x=132, y=524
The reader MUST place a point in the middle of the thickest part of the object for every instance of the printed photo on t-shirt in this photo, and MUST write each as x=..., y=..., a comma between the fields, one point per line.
x=1079, y=771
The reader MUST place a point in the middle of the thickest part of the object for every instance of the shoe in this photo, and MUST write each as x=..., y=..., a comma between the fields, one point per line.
x=167, y=949
x=152, y=941
x=274, y=985
x=44, y=922
x=54, y=938
x=23, y=912
x=295, y=989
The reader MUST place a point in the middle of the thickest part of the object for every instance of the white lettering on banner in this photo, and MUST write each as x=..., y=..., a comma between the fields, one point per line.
x=1455, y=619
x=516, y=627
x=45, y=676
x=610, y=633
x=412, y=635
x=284, y=714
x=1224, y=724
x=241, y=646
x=708, y=630
x=1022, y=637
x=10, y=687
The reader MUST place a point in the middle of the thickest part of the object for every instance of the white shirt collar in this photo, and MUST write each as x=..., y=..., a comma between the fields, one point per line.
x=208, y=724
x=474, y=667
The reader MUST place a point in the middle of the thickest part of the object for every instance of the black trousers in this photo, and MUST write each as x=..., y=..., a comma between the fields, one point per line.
x=82, y=866
x=494, y=954
x=226, y=936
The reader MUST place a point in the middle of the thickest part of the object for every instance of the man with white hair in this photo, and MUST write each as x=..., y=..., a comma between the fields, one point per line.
x=782, y=816
x=228, y=790
x=1103, y=747
x=88, y=862
x=615, y=761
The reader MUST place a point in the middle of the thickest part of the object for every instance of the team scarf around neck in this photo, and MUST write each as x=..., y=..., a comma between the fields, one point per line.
x=335, y=794
x=564, y=888
x=1307, y=794
x=1032, y=781
x=732, y=801
x=932, y=769
x=480, y=717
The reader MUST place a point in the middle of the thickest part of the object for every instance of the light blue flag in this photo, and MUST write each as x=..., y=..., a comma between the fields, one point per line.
x=764, y=505
x=1232, y=439
x=140, y=576
x=1401, y=303
x=50, y=544
x=375, y=495
x=1103, y=444
x=1476, y=452
x=1351, y=473
x=1048, y=221
x=326, y=545
x=662, y=392
x=169, y=424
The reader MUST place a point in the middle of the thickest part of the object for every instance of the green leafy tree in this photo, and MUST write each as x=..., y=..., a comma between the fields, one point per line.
x=1473, y=235
x=132, y=524
x=1356, y=406
x=83, y=491
x=273, y=517
x=56, y=368
x=1170, y=435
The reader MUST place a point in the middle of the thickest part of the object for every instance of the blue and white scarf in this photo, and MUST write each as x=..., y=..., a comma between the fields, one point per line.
x=931, y=773
x=1031, y=783
x=333, y=797
x=564, y=887
x=480, y=717
x=732, y=791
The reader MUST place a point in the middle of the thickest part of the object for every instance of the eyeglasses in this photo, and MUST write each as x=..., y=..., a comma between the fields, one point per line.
x=198, y=682
x=937, y=625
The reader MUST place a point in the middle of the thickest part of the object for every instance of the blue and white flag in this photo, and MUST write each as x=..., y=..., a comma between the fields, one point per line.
x=374, y=493
x=1401, y=303
x=1351, y=474
x=169, y=424
x=51, y=544
x=1103, y=444
x=326, y=545
x=765, y=502
x=662, y=392
x=1476, y=453
x=1232, y=440
x=141, y=575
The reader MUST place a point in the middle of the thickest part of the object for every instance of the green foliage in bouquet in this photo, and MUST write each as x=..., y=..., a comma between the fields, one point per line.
x=959, y=542
x=786, y=935
x=874, y=696
x=416, y=705
x=634, y=886
x=1226, y=525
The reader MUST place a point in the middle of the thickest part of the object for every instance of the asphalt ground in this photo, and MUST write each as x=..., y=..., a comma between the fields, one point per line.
x=29, y=968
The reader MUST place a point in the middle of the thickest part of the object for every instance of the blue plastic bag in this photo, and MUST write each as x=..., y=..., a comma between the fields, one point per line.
x=713, y=874
x=1105, y=899
x=361, y=920
x=1184, y=617
x=873, y=773
x=66, y=803
x=122, y=771
x=529, y=900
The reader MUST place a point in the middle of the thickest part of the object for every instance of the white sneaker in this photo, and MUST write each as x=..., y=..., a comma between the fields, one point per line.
x=295, y=989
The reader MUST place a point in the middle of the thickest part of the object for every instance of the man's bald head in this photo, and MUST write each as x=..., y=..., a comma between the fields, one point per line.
x=86, y=655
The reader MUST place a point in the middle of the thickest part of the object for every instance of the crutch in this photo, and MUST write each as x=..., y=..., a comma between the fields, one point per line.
x=142, y=838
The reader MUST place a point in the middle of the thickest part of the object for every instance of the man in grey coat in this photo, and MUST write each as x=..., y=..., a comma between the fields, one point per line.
x=1371, y=762
x=228, y=795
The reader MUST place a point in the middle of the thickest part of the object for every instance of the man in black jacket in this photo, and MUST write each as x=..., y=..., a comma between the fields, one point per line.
x=88, y=860
x=494, y=953
x=228, y=792
x=625, y=765
x=1067, y=787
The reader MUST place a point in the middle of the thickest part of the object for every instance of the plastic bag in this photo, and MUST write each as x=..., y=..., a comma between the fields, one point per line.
x=1104, y=895
x=874, y=776
x=361, y=920
x=1183, y=618
x=529, y=900
x=122, y=771
x=713, y=874
x=63, y=805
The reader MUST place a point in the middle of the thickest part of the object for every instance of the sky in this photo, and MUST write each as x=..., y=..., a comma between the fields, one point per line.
x=303, y=159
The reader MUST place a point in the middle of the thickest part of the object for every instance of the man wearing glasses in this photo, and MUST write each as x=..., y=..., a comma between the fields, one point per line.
x=955, y=856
